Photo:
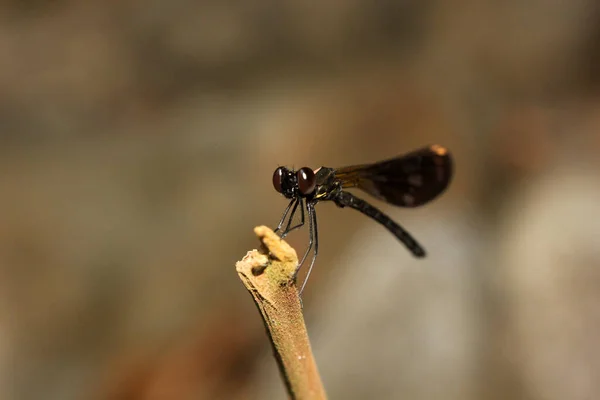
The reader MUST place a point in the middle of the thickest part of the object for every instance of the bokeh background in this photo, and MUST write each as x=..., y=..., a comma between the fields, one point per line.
x=137, y=144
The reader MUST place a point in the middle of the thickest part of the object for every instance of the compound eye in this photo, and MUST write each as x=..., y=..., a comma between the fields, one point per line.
x=278, y=176
x=306, y=181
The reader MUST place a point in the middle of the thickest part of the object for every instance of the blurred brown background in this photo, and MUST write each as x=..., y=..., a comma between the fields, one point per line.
x=137, y=144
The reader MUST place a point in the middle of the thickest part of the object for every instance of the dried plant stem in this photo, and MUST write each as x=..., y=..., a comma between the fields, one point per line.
x=268, y=277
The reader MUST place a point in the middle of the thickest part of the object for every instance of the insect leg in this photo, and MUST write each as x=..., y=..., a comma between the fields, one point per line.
x=301, y=223
x=344, y=199
x=315, y=235
x=310, y=239
x=285, y=213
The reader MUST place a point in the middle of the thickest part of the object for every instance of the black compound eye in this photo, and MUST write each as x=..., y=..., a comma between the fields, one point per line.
x=306, y=180
x=278, y=176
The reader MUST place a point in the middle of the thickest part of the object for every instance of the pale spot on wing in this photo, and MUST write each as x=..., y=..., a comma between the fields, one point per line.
x=408, y=199
x=416, y=180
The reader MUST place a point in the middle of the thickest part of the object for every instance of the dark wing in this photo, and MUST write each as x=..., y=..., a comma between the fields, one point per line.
x=410, y=180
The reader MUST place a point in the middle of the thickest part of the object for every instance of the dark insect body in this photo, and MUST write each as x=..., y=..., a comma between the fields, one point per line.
x=410, y=180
